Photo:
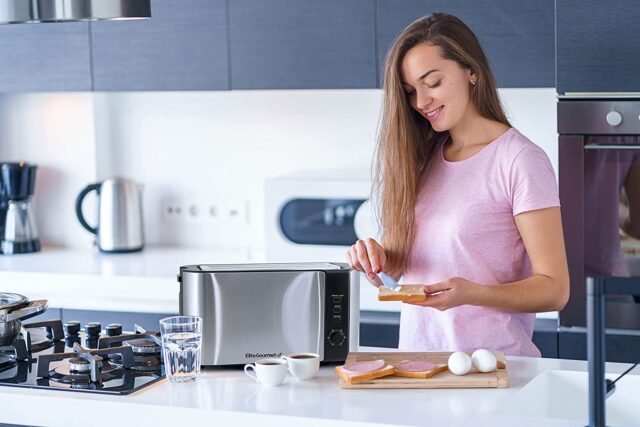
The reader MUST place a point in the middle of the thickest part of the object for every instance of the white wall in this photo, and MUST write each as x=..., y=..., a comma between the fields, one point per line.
x=204, y=148
x=56, y=133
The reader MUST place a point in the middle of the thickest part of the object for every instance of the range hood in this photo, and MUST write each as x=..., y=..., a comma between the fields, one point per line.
x=36, y=11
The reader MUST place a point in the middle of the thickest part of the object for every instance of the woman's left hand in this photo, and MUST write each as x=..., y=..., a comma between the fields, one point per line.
x=450, y=293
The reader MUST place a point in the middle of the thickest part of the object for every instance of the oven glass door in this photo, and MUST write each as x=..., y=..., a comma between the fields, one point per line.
x=612, y=219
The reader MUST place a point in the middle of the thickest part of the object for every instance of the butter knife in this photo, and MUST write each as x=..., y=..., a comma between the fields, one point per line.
x=388, y=282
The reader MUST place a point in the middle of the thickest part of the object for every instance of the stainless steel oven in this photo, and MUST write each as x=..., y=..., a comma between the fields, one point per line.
x=599, y=175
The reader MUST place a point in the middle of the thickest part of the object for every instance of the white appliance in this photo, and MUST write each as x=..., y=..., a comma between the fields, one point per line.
x=311, y=216
x=330, y=193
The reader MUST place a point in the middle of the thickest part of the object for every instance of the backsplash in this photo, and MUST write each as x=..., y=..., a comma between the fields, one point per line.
x=204, y=149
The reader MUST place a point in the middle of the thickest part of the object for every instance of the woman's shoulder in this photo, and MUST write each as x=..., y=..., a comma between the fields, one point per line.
x=514, y=145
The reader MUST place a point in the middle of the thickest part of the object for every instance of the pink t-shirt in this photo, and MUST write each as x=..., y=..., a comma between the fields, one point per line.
x=465, y=227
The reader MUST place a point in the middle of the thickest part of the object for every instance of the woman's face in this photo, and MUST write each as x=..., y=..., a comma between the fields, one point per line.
x=438, y=88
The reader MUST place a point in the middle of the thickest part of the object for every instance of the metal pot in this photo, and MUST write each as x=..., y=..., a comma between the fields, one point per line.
x=13, y=309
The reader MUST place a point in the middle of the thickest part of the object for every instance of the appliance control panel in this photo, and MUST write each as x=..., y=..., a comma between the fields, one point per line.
x=336, y=346
x=598, y=116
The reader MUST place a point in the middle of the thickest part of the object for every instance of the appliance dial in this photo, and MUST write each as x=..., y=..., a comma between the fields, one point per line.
x=92, y=329
x=72, y=328
x=114, y=329
x=336, y=337
x=614, y=118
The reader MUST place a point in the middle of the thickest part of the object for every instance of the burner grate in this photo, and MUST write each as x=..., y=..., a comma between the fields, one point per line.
x=91, y=357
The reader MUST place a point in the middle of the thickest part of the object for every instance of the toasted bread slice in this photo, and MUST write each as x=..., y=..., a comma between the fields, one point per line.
x=427, y=373
x=364, y=376
x=406, y=293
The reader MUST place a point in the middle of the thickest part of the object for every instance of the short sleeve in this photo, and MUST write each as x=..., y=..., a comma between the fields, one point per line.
x=532, y=181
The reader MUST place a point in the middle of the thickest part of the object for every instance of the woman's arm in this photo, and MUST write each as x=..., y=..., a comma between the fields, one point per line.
x=547, y=289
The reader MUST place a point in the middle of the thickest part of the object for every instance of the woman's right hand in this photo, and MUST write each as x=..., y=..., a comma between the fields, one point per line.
x=368, y=257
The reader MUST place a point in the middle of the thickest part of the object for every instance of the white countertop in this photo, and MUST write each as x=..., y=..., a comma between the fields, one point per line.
x=222, y=397
x=153, y=261
x=142, y=282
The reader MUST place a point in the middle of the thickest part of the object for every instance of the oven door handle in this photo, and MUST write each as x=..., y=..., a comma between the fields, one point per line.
x=611, y=147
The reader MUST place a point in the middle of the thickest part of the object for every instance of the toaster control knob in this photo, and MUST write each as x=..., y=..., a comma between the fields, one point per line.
x=336, y=337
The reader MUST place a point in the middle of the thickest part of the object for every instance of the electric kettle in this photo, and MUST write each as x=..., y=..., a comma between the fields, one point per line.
x=119, y=227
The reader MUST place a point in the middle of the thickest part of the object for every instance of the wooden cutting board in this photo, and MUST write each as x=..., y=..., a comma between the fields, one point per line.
x=497, y=379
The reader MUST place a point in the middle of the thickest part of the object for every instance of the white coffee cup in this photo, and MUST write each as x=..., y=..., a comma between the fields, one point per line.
x=268, y=372
x=303, y=366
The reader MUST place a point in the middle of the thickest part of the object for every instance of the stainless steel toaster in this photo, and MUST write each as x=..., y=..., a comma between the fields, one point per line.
x=252, y=311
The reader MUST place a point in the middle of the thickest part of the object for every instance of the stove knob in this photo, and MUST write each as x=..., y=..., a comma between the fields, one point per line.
x=614, y=118
x=114, y=329
x=71, y=328
x=69, y=340
x=93, y=329
x=336, y=337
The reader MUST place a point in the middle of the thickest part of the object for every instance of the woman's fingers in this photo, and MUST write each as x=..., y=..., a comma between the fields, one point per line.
x=349, y=261
x=436, y=288
x=376, y=255
x=438, y=301
x=368, y=257
x=352, y=259
x=363, y=256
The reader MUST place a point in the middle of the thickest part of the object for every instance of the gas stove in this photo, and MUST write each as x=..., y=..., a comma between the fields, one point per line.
x=53, y=355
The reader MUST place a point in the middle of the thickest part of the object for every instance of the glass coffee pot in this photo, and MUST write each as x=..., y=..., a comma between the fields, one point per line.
x=18, y=231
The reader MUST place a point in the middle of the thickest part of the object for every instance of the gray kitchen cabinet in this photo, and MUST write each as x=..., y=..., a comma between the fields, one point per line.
x=379, y=329
x=598, y=48
x=50, y=314
x=621, y=347
x=295, y=44
x=45, y=57
x=382, y=329
x=517, y=36
x=182, y=47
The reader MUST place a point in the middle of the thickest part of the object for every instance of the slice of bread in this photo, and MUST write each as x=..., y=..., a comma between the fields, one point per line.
x=351, y=378
x=421, y=374
x=406, y=293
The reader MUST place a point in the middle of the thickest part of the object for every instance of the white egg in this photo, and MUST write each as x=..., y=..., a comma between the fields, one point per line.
x=459, y=363
x=484, y=360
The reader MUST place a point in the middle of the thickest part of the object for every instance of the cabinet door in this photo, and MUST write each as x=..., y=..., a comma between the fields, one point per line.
x=45, y=57
x=294, y=44
x=182, y=47
x=598, y=47
x=517, y=36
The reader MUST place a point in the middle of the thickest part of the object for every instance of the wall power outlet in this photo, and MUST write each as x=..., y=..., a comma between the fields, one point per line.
x=234, y=211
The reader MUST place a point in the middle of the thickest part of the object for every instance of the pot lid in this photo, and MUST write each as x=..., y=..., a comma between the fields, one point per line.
x=12, y=301
x=35, y=11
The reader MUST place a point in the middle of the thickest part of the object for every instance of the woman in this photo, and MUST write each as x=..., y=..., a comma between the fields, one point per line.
x=468, y=206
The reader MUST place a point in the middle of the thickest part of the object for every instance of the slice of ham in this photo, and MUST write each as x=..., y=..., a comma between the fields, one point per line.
x=363, y=367
x=415, y=366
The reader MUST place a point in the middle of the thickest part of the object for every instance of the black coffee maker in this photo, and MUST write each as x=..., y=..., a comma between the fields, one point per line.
x=18, y=232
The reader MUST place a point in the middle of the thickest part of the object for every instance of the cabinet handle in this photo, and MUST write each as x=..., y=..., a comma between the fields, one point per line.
x=611, y=147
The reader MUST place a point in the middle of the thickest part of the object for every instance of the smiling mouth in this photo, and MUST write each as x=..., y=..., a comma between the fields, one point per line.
x=435, y=112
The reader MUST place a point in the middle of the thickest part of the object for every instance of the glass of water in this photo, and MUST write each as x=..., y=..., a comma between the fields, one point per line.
x=181, y=347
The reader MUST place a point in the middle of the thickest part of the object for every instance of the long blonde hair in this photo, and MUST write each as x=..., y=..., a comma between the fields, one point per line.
x=406, y=140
